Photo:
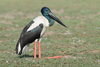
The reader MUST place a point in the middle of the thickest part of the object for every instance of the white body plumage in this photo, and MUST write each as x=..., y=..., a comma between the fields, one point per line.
x=38, y=20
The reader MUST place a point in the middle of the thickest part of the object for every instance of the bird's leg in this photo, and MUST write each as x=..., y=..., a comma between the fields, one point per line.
x=34, y=49
x=39, y=49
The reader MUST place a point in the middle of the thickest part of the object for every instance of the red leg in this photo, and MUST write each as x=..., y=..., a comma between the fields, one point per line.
x=34, y=49
x=39, y=49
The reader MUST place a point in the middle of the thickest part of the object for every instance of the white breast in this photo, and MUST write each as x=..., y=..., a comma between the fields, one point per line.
x=38, y=20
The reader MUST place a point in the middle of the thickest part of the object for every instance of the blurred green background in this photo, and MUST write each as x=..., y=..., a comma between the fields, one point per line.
x=79, y=43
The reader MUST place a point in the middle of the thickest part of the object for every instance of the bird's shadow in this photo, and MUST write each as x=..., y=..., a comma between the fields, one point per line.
x=27, y=56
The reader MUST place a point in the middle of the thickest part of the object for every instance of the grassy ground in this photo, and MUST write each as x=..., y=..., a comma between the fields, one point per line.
x=79, y=43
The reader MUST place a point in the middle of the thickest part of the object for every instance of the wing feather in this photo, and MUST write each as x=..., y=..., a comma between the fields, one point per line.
x=30, y=36
x=26, y=27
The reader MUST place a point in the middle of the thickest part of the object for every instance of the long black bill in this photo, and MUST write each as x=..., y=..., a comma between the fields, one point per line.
x=56, y=19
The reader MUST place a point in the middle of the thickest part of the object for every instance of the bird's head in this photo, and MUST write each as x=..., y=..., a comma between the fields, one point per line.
x=47, y=13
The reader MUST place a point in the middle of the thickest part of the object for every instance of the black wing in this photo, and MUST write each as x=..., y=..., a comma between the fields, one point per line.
x=30, y=36
x=26, y=27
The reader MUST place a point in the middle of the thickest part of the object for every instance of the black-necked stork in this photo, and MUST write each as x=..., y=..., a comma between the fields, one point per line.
x=35, y=30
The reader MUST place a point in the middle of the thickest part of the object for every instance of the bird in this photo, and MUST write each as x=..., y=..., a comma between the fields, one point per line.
x=34, y=31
